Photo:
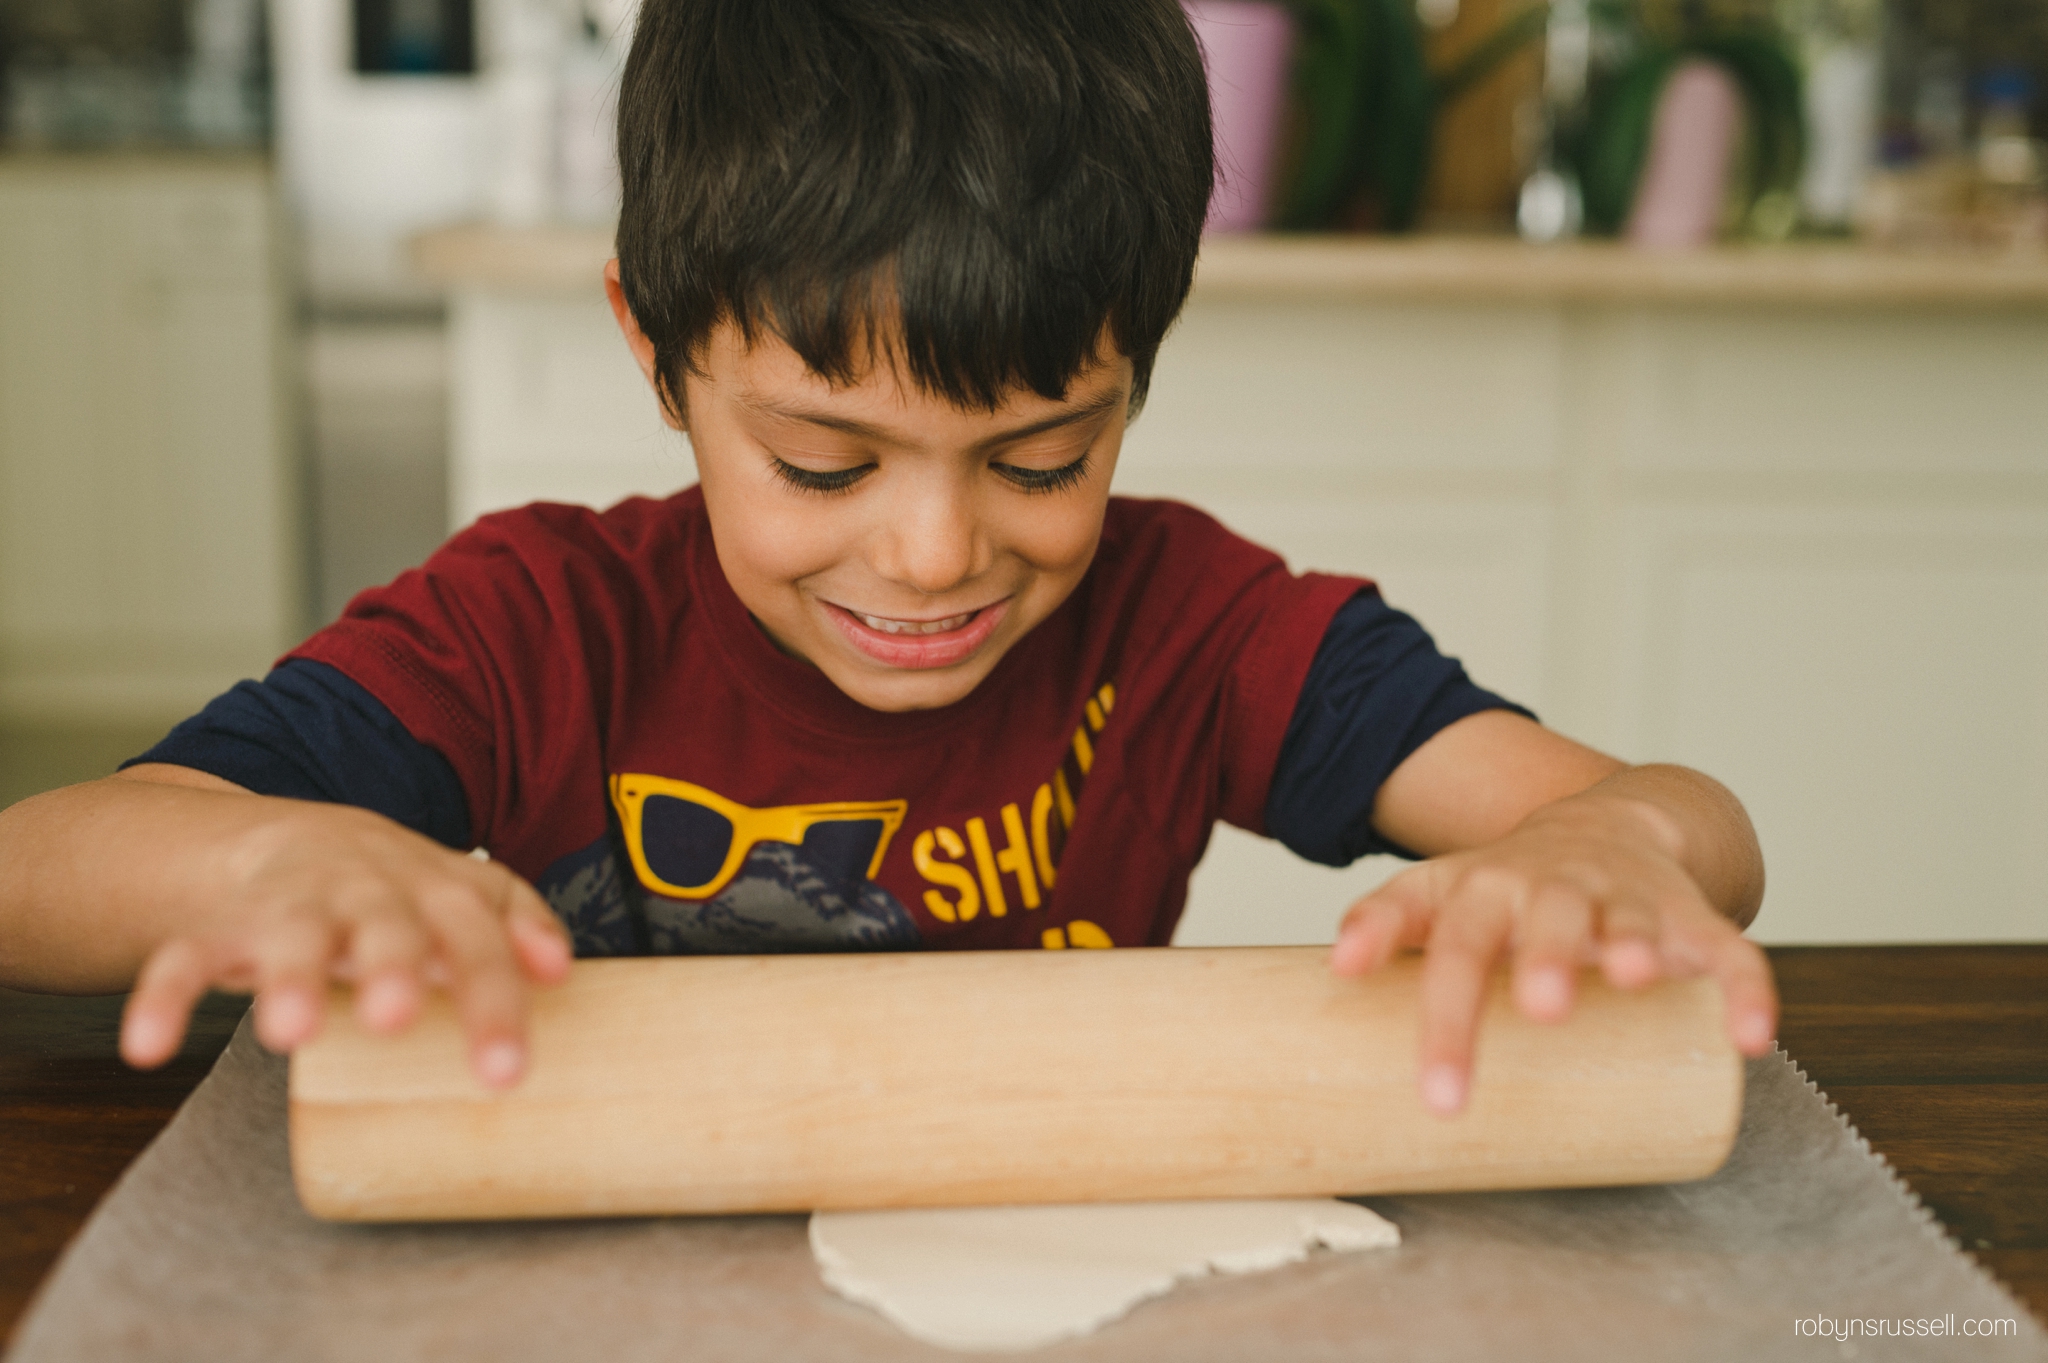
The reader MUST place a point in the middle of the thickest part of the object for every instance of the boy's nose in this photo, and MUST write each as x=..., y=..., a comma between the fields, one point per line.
x=932, y=543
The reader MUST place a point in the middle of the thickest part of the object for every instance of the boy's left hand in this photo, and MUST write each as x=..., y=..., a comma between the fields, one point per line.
x=1607, y=877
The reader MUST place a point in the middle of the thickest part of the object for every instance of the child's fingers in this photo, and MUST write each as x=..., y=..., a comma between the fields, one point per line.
x=1749, y=995
x=1395, y=915
x=484, y=978
x=293, y=953
x=1552, y=941
x=1630, y=932
x=385, y=956
x=166, y=989
x=537, y=935
x=1462, y=951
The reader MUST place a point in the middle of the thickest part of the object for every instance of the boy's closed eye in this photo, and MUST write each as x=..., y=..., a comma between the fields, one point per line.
x=1033, y=478
x=1038, y=461
x=1028, y=477
x=821, y=451
x=807, y=479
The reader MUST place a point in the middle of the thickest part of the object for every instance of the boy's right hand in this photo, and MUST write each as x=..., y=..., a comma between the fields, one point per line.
x=312, y=893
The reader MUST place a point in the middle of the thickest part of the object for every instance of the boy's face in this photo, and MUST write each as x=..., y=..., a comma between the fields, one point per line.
x=896, y=542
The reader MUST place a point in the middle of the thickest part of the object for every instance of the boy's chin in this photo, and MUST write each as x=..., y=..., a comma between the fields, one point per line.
x=897, y=690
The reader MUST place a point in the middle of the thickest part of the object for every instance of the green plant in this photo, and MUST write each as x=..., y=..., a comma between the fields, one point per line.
x=1622, y=110
x=1368, y=107
x=1367, y=104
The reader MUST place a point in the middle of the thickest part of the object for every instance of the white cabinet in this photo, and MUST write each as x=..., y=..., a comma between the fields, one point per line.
x=1346, y=390
x=149, y=545
x=547, y=405
x=1780, y=516
x=1873, y=680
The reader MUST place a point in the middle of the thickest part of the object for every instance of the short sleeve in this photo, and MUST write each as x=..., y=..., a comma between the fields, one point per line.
x=1378, y=689
x=1285, y=619
x=495, y=654
x=307, y=732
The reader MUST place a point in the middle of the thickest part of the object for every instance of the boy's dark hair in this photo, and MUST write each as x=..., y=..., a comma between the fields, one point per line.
x=984, y=185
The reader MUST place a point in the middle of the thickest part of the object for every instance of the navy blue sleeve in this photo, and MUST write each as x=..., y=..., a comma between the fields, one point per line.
x=1377, y=690
x=306, y=731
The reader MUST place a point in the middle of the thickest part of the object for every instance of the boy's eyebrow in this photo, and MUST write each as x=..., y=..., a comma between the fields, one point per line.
x=1094, y=407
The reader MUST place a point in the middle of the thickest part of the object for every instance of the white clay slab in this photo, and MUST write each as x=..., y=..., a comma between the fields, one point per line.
x=1010, y=1278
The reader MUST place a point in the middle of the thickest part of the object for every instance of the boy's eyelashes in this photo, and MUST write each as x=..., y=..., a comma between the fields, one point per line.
x=812, y=480
x=842, y=480
x=1044, y=480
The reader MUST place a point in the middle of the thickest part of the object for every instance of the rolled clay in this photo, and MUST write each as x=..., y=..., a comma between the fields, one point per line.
x=990, y=1278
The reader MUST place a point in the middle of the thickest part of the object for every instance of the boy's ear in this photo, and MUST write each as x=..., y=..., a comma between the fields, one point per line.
x=642, y=348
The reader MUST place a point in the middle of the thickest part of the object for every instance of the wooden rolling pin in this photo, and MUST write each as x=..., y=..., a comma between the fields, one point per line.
x=788, y=1083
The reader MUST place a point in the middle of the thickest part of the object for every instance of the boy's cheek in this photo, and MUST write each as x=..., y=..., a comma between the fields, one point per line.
x=782, y=550
x=1061, y=542
x=763, y=538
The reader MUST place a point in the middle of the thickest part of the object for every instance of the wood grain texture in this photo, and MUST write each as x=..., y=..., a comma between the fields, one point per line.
x=746, y=1084
x=1939, y=1055
x=72, y=1117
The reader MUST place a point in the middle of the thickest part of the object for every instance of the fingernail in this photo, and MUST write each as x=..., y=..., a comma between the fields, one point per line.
x=1545, y=991
x=500, y=1062
x=291, y=1013
x=147, y=1035
x=1633, y=960
x=1443, y=1089
x=385, y=1000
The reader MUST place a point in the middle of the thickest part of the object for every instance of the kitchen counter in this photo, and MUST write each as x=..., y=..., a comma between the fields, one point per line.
x=1410, y=269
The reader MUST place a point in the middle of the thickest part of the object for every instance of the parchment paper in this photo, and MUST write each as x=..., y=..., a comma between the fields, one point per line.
x=202, y=1252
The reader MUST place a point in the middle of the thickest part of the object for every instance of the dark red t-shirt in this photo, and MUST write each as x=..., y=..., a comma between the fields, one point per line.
x=628, y=739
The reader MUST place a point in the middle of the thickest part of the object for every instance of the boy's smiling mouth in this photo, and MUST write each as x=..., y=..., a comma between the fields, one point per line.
x=888, y=626
x=918, y=644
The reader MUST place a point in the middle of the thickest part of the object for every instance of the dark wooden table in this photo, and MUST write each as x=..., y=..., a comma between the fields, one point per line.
x=1938, y=1054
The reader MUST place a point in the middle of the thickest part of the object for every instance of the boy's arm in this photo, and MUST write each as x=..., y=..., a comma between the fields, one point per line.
x=178, y=881
x=1561, y=857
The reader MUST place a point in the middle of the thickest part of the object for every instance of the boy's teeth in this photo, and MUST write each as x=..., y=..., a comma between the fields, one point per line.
x=877, y=622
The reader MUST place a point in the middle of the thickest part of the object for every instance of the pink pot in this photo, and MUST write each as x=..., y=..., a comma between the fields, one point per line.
x=1247, y=47
x=1684, y=186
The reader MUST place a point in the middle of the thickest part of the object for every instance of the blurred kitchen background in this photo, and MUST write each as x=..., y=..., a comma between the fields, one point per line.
x=1683, y=363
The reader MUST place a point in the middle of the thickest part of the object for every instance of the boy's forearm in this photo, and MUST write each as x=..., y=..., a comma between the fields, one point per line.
x=94, y=876
x=1701, y=823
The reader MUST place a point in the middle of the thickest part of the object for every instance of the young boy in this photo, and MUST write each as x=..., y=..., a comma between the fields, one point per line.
x=899, y=671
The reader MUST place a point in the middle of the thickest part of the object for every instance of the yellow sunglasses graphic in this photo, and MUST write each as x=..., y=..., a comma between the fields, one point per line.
x=688, y=842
